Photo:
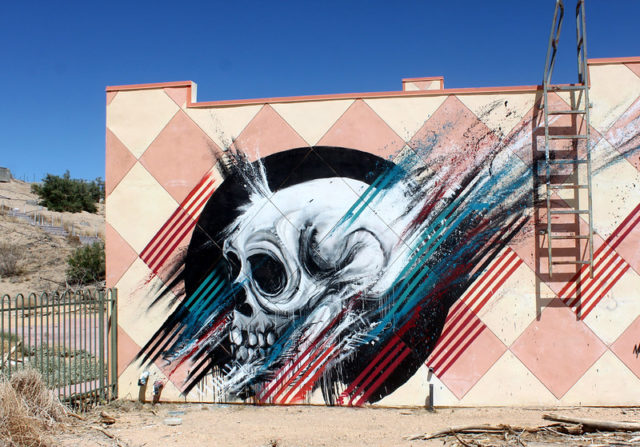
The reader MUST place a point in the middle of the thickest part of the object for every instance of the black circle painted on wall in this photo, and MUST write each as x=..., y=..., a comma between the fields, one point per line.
x=282, y=170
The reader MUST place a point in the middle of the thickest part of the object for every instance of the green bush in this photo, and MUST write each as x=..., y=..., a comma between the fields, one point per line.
x=86, y=264
x=67, y=194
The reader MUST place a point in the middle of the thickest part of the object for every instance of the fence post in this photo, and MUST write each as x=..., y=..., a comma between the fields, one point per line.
x=114, y=342
x=101, y=305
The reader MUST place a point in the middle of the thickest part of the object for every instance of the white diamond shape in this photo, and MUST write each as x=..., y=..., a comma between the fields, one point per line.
x=406, y=115
x=138, y=207
x=223, y=124
x=137, y=117
x=613, y=89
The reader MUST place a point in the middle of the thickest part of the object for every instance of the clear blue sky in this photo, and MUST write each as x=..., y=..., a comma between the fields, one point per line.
x=57, y=57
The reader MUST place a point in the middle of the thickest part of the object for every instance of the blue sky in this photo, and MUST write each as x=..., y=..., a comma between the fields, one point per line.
x=58, y=57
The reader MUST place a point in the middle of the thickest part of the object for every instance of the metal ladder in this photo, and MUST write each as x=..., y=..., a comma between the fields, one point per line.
x=579, y=108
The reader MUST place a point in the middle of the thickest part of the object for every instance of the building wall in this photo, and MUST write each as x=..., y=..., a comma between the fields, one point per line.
x=354, y=249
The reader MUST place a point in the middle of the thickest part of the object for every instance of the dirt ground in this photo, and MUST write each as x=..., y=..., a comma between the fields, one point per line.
x=238, y=425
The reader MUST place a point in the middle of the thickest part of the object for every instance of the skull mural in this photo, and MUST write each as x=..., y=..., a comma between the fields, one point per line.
x=299, y=277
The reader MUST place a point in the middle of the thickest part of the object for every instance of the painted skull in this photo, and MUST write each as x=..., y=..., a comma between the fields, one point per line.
x=293, y=256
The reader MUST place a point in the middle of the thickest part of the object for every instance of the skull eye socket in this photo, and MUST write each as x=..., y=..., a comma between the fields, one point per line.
x=268, y=273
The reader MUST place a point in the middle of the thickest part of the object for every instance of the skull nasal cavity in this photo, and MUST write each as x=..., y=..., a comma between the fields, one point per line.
x=268, y=273
x=241, y=305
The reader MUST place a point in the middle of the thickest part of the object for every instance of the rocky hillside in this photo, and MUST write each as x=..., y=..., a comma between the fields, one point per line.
x=40, y=250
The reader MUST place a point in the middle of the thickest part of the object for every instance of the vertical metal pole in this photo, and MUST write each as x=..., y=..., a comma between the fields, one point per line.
x=7, y=364
x=2, y=333
x=40, y=334
x=18, y=337
x=83, y=347
x=101, y=343
x=114, y=342
x=48, y=342
x=59, y=347
x=30, y=328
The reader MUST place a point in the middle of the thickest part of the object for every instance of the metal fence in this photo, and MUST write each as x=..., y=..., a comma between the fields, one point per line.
x=69, y=337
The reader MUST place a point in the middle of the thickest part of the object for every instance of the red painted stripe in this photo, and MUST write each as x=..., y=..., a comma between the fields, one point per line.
x=486, y=276
x=317, y=362
x=204, y=183
x=594, y=293
x=471, y=324
x=587, y=282
x=309, y=385
x=630, y=217
x=383, y=377
x=449, y=332
x=397, y=350
x=166, y=237
x=381, y=355
x=604, y=292
x=198, y=197
x=497, y=283
x=202, y=204
x=632, y=226
x=597, y=280
x=286, y=370
x=462, y=350
x=143, y=254
x=573, y=282
x=285, y=388
x=185, y=228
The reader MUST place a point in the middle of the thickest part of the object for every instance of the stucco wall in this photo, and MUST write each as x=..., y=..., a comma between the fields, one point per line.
x=406, y=237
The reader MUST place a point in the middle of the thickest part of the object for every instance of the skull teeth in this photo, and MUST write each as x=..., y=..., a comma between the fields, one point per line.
x=261, y=340
x=236, y=336
x=253, y=340
x=271, y=338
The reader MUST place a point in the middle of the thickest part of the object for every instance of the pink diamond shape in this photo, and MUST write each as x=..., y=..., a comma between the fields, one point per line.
x=180, y=156
x=266, y=134
x=118, y=162
x=361, y=128
x=626, y=239
x=627, y=345
x=624, y=135
x=558, y=349
x=127, y=350
x=465, y=352
x=634, y=67
x=119, y=255
x=454, y=137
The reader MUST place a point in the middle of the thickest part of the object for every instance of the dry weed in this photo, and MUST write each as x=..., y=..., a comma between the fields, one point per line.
x=9, y=260
x=28, y=411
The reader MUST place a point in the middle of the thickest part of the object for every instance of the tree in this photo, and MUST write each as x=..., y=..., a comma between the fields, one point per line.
x=67, y=194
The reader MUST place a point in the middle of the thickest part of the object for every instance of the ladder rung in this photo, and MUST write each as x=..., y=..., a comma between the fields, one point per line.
x=569, y=211
x=566, y=88
x=566, y=112
x=567, y=186
x=569, y=237
x=567, y=162
x=568, y=137
x=571, y=262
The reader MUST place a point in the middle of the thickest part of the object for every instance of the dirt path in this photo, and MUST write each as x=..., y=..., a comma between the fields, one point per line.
x=235, y=425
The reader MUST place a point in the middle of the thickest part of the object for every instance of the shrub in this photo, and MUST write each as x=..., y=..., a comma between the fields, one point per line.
x=9, y=260
x=67, y=194
x=86, y=264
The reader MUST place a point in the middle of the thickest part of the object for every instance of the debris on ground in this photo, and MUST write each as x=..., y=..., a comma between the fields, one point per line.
x=565, y=430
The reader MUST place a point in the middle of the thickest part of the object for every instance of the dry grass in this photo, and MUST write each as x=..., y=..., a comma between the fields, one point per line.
x=9, y=259
x=28, y=411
